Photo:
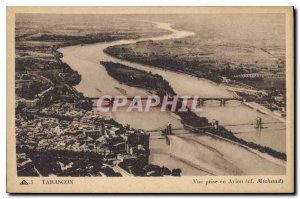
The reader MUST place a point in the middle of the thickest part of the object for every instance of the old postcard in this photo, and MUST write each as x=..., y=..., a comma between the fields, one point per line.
x=150, y=100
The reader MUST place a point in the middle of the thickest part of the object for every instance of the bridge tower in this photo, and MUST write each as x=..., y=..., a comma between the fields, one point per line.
x=222, y=102
x=200, y=102
x=215, y=124
x=169, y=129
x=258, y=124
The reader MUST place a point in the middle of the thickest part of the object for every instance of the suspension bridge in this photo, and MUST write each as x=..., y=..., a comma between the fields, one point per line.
x=169, y=130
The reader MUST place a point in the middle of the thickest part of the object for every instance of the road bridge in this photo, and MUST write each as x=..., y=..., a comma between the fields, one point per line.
x=201, y=100
x=168, y=130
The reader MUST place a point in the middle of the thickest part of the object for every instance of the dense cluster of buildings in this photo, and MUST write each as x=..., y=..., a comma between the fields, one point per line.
x=57, y=133
x=32, y=89
x=84, y=132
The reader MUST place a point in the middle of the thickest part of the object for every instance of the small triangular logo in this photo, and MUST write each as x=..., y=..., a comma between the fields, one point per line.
x=24, y=182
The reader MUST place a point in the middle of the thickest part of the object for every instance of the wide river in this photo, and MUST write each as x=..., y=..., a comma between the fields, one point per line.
x=194, y=154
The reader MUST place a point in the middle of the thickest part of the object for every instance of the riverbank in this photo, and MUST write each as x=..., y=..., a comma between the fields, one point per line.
x=264, y=110
x=254, y=105
x=214, y=155
x=263, y=155
x=137, y=78
x=163, y=62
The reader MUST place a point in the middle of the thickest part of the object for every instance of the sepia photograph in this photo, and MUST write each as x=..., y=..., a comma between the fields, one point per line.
x=150, y=96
